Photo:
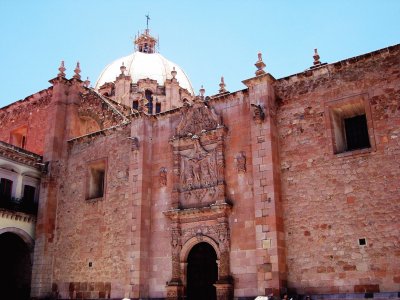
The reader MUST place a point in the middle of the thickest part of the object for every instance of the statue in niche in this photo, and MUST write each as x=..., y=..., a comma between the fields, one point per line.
x=163, y=177
x=241, y=162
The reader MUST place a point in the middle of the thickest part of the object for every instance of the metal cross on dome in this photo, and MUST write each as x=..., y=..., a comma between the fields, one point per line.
x=147, y=21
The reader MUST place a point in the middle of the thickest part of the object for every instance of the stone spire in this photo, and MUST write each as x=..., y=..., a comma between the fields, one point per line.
x=62, y=70
x=222, y=86
x=316, y=58
x=77, y=71
x=260, y=65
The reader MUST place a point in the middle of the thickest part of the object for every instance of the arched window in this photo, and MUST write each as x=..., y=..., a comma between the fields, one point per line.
x=149, y=97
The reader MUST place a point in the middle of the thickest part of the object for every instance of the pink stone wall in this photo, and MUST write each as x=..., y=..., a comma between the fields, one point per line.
x=331, y=201
x=31, y=112
x=120, y=245
x=237, y=117
x=95, y=231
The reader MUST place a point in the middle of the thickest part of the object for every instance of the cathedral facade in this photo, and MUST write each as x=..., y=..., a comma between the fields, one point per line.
x=149, y=191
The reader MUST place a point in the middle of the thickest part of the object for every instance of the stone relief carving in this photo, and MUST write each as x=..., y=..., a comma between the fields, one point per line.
x=199, y=169
x=163, y=177
x=198, y=173
x=258, y=113
x=241, y=162
x=135, y=143
x=197, y=118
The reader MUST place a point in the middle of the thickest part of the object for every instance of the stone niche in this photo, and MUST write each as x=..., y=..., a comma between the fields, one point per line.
x=199, y=210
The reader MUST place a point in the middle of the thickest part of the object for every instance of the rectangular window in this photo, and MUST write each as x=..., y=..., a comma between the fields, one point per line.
x=135, y=105
x=5, y=189
x=96, y=180
x=350, y=125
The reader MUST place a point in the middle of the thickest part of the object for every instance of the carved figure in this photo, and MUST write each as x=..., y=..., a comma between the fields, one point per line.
x=241, y=162
x=163, y=176
x=198, y=168
x=258, y=114
x=135, y=143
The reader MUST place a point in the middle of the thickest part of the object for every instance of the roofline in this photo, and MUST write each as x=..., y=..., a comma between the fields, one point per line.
x=27, y=98
x=346, y=61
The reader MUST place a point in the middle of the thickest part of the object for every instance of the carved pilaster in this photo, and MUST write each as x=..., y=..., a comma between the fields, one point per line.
x=176, y=245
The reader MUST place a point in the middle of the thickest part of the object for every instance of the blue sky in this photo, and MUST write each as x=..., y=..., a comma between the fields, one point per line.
x=207, y=39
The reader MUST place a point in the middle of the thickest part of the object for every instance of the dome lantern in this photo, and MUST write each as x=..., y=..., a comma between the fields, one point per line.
x=144, y=42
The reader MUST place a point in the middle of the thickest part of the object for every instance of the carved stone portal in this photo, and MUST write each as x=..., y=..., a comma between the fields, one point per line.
x=192, y=226
x=199, y=210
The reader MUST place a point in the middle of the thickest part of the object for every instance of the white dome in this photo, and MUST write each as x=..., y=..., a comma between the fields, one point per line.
x=144, y=65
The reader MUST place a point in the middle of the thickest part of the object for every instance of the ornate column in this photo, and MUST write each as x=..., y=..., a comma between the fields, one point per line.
x=174, y=287
x=176, y=246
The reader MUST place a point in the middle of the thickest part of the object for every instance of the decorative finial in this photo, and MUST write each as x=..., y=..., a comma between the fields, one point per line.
x=122, y=68
x=202, y=91
x=316, y=57
x=61, y=69
x=77, y=71
x=222, y=86
x=173, y=73
x=86, y=83
x=260, y=65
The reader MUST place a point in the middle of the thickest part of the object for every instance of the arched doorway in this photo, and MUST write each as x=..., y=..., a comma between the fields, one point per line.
x=16, y=267
x=202, y=272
